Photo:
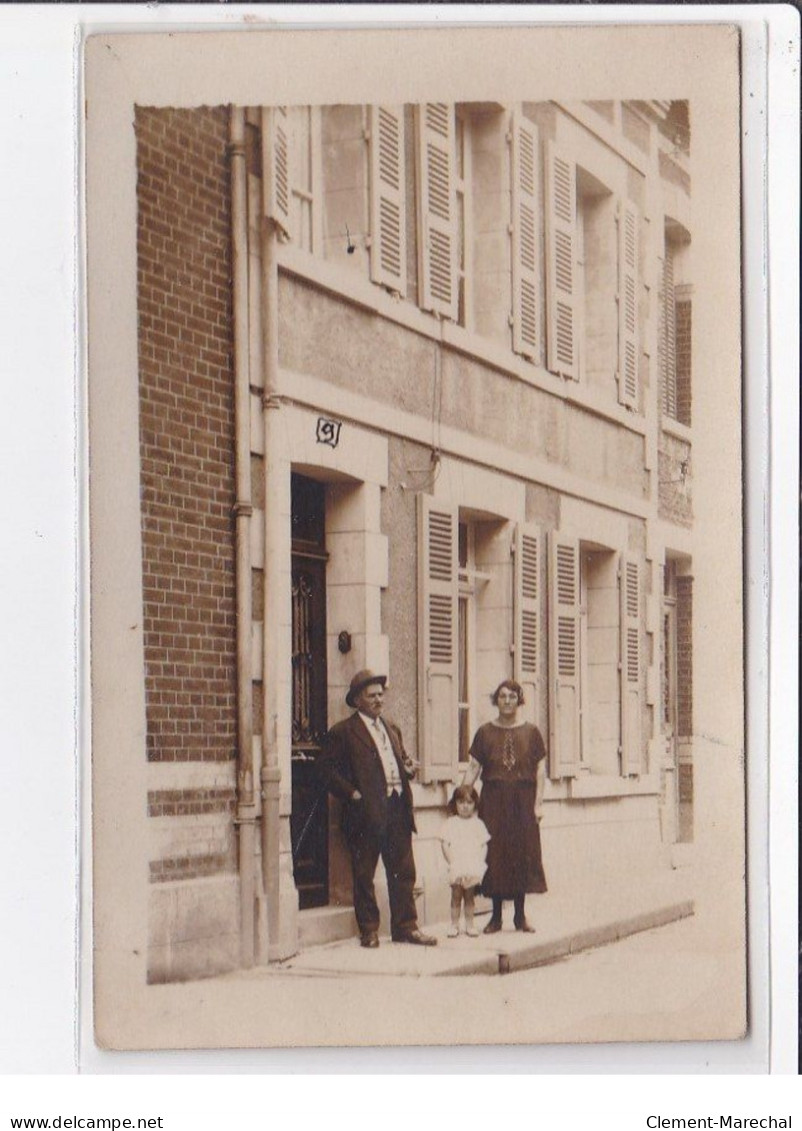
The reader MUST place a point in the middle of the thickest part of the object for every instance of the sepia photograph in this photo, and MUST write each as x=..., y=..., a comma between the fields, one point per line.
x=416, y=534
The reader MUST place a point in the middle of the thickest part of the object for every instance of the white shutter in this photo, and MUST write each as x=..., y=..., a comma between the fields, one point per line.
x=564, y=658
x=438, y=583
x=631, y=693
x=628, y=304
x=525, y=211
x=526, y=611
x=277, y=166
x=561, y=243
x=388, y=249
x=437, y=229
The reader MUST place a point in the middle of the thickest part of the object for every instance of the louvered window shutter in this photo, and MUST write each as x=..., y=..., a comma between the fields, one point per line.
x=631, y=694
x=628, y=304
x=437, y=639
x=564, y=658
x=388, y=248
x=525, y=308
x=526, y=643
x=561, y=242
x=437, y=233
x=668, y=342
x=277, y=167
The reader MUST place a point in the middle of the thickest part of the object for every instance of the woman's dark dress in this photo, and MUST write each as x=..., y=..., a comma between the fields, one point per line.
x=509, y=757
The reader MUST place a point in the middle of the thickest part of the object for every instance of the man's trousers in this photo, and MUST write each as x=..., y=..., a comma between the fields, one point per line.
x=394, y=844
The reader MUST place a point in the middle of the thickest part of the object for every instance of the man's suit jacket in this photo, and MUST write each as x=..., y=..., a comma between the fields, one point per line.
x=350, y=761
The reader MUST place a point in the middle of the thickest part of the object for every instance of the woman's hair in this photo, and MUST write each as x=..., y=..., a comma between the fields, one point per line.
x=511, y=685
x=463, y=793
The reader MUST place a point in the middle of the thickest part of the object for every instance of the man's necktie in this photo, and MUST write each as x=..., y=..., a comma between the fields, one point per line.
x=388, y=759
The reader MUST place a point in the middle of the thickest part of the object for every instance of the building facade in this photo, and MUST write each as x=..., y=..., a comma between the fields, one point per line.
x=415, y=395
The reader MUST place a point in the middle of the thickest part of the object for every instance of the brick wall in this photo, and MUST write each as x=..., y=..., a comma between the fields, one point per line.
x=685, y=656
x=187, y=450
x=685, y=704
x=683, y=359
x=675, y=478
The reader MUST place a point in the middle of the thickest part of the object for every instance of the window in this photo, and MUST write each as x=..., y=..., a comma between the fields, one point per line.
x=592, y=281
x=599, y=650
x=466, y=639
x=595, y=677
x=363, y=192
x=277, y=170
x=344, y=134
x=675, y=325
x=597, y=281
x=676, y=677
x=628, y=315
x=668, y=653
x=437, y=209
x=527, y=616
x=479, y=622
x=561, y=265
x=438, y=613
x=631, y=661
x=388, y=255
x=304, y=163
x=462, y=189
x=293, y=174
x=485, y=617
x=525, y=234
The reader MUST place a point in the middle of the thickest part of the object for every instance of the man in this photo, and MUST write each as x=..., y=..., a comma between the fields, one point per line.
x=364, y=763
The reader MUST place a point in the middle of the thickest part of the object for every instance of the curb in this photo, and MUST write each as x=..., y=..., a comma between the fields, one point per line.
x=540, y=954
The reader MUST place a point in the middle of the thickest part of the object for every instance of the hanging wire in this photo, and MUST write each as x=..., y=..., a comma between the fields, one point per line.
x=439, y=364
x=436, y=396
x=434, y=465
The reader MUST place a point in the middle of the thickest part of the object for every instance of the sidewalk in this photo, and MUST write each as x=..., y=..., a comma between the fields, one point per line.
x=563, y=927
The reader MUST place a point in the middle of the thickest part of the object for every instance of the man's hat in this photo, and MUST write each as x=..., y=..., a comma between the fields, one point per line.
x=360, y=680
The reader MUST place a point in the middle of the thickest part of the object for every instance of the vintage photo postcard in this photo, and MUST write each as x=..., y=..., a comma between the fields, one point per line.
x=414, y=387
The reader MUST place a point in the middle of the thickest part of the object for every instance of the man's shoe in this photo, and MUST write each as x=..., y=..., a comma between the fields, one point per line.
x=492, y=927
x=522, y=925
x=370, y=940
x=416, y=937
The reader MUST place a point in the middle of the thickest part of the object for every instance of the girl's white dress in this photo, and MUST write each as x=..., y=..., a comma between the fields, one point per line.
x=466, y=839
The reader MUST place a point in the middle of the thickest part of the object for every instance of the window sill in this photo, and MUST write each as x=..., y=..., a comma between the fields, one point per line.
x=603, y=785
x=674, y=428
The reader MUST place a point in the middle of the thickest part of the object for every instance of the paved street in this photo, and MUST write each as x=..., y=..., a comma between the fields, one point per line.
x=668, y=983
x=658, y=981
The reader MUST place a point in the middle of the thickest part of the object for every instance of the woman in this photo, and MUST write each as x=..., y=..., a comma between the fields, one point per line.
x=511, y=758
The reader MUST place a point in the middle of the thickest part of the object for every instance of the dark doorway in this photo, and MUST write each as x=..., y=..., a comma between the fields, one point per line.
x=309, y=822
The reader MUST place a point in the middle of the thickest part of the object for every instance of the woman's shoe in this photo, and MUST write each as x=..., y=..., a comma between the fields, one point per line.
x=472, y=932
x=493, y=927
x=452, y=932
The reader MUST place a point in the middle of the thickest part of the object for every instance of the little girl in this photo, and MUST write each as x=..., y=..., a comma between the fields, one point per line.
x=464, y=839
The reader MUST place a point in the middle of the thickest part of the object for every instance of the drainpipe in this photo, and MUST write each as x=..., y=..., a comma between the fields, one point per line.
x=243, y=509
x=274, y=583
